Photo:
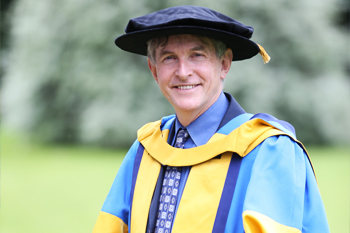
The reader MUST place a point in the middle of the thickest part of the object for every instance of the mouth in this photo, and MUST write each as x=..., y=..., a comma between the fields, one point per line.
x=187, y=87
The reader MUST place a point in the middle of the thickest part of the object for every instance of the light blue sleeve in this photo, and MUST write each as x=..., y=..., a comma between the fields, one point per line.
x=117, y=202
x=282, y=186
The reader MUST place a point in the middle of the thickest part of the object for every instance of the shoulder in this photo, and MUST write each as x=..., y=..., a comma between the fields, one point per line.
x=283, y=142
x=269, y=135
x=277, y=123
x=254, y=122
x=283, y=149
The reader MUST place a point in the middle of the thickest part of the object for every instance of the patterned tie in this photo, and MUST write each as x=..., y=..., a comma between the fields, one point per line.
x=168, y=197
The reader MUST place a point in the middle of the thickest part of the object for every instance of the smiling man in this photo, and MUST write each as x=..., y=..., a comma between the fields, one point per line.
x=211, y=167
x=190, y=74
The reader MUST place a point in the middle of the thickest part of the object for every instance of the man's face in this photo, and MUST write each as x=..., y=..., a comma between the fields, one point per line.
x=189, y=74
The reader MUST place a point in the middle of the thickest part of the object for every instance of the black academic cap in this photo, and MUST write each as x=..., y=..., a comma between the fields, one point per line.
x=190, y=20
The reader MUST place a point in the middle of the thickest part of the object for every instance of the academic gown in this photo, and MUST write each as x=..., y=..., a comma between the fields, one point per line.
x=253, y=175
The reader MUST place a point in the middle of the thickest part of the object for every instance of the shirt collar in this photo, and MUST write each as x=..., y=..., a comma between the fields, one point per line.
x=209, y=120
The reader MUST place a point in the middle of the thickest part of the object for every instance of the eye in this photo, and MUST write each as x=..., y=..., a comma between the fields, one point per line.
x=168, y=59
x=198, y=55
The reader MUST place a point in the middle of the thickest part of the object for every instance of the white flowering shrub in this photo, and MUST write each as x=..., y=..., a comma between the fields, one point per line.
x=66, y=81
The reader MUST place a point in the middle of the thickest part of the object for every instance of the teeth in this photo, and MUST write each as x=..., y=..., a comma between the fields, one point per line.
x=186, y=87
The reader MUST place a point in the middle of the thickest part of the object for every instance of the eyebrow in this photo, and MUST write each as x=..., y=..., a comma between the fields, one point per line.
x=196, y=48
x=199, y=47
x=165, y=52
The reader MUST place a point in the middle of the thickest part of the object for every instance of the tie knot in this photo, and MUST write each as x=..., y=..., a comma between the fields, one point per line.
x=181, y=138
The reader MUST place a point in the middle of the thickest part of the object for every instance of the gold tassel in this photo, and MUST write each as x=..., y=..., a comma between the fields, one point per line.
x=264, y=54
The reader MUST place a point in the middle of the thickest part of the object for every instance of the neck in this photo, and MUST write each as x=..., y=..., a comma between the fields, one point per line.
x=187, y=117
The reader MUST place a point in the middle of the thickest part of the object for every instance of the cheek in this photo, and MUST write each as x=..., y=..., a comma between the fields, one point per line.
x=164, y=76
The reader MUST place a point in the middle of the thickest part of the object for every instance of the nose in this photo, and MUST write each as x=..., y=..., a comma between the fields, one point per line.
x=184, y=69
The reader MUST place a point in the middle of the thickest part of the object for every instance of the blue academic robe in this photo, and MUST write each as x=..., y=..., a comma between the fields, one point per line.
x=252, y=176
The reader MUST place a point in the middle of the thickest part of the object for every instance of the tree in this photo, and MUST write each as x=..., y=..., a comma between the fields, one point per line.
x=67, y=81
x=5, y=9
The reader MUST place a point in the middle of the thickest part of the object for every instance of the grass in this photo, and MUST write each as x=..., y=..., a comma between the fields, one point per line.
x=332, y=167
x=53, y=189
x=62, y=188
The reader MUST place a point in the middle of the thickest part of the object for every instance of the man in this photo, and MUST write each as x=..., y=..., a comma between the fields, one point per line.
x=212, y=167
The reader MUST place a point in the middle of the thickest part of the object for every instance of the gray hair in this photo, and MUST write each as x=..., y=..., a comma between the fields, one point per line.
x=154, y=43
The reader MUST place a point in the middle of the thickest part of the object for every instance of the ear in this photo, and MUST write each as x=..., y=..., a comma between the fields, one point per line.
x=152, y=67
x=226, y=63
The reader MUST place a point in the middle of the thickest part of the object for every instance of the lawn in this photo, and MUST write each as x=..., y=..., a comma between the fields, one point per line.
x=332, y=167
x=49, y=189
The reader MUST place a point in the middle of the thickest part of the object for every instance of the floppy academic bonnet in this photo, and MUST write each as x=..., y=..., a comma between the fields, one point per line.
x=190, y=20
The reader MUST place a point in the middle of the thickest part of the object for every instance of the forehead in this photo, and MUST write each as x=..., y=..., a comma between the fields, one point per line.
x=185, y=42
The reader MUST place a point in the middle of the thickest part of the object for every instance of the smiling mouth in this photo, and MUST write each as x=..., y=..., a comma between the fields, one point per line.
x=186, y=87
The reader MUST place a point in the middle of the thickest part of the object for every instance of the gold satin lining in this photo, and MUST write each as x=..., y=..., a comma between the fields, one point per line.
x=201, y=197
x=108, y=223
x=241, y=141
x=254, y=222
x=144, y=188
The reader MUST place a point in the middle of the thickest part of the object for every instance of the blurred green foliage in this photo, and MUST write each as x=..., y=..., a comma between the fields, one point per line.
x=67, y=82
x=62, y=188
